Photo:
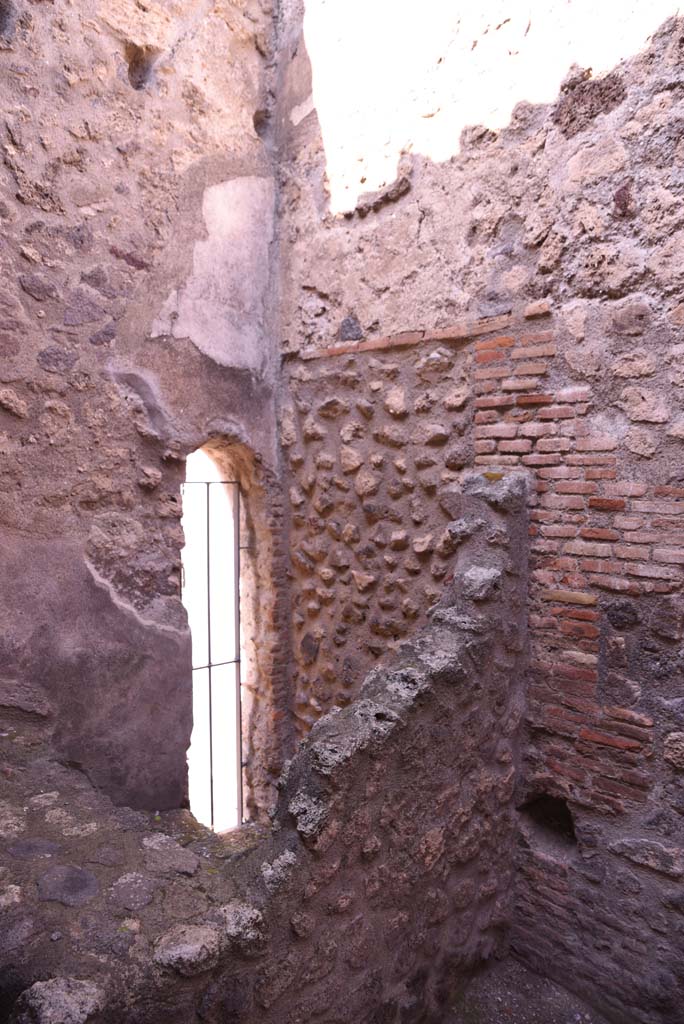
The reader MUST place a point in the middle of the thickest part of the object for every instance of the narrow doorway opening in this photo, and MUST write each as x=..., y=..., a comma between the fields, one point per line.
x=211, y=596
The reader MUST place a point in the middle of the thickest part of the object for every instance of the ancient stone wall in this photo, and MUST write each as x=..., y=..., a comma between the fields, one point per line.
x=372, y=441
x=544, y=260
x=167, y=223
x=387, y=876
x=137, y=199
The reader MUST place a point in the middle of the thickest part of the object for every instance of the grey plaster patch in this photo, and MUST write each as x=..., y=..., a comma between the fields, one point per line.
x=67, y=884
x=109, y=856
x=32, y=849
x=133, y=891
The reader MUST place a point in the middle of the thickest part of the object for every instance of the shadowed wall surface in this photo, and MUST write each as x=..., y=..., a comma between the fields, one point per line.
x=386, y=876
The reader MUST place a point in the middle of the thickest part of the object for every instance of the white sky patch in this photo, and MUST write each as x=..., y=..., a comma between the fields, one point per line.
x=392, y=76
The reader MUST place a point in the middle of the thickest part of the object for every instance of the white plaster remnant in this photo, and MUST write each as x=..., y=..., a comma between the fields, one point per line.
x=221, y=307
x=302, y=110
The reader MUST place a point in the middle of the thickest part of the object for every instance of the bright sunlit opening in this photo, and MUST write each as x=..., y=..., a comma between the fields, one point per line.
x=391, y=76
x=210, y=593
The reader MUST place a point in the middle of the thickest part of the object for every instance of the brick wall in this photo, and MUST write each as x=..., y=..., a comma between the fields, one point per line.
x=605, y=614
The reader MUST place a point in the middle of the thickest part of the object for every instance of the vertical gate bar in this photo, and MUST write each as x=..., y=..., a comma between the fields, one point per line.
x=211, y=721
x=238, y=674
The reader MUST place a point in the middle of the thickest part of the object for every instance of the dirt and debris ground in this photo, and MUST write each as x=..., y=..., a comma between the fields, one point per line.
x=507, y=993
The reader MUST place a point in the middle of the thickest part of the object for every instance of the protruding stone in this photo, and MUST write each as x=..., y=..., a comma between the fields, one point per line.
x=638, y=363
x=393, y=436
x=434, y=364
x=133, y=891
x=455, y=533
x=395, y=402
x=38, y=287
x=631, y=319
x=164, y=854
x=650, y=854
x=333, y=407
x=350, y=534
x=364, y=581
x=81, y=310
x=22, y=695
x=297, y=499
x=59, y=1001
x=479, y=583
x=10, y=895
x=189, y=949
x=150, y=479
x=641, y=442
x=33, y=849
x=12, y=403
x=504, y=491
x=603, y=157
x=288, y=428
x=309, y=813
x=366, y=483
x=435, y=434
x=56, y=360
x=351, y=432
x=279, y=870
x=350, y=329
x=303, y=925
x=244, y=927
x=423, y=545
x=677, y=429
x=674, y=750
x=643, y=405
x=457, y=398
x=312, y=430
x=399, y=540
x=350, y=459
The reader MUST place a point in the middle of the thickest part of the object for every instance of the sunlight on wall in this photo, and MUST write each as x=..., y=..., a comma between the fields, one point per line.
x=392, y=76
x=213, y=641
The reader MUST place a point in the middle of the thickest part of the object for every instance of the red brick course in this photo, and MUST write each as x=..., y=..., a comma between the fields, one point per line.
x=594, y=535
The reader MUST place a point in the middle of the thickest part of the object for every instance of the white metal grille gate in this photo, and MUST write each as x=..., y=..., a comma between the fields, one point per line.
x=211, y=595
